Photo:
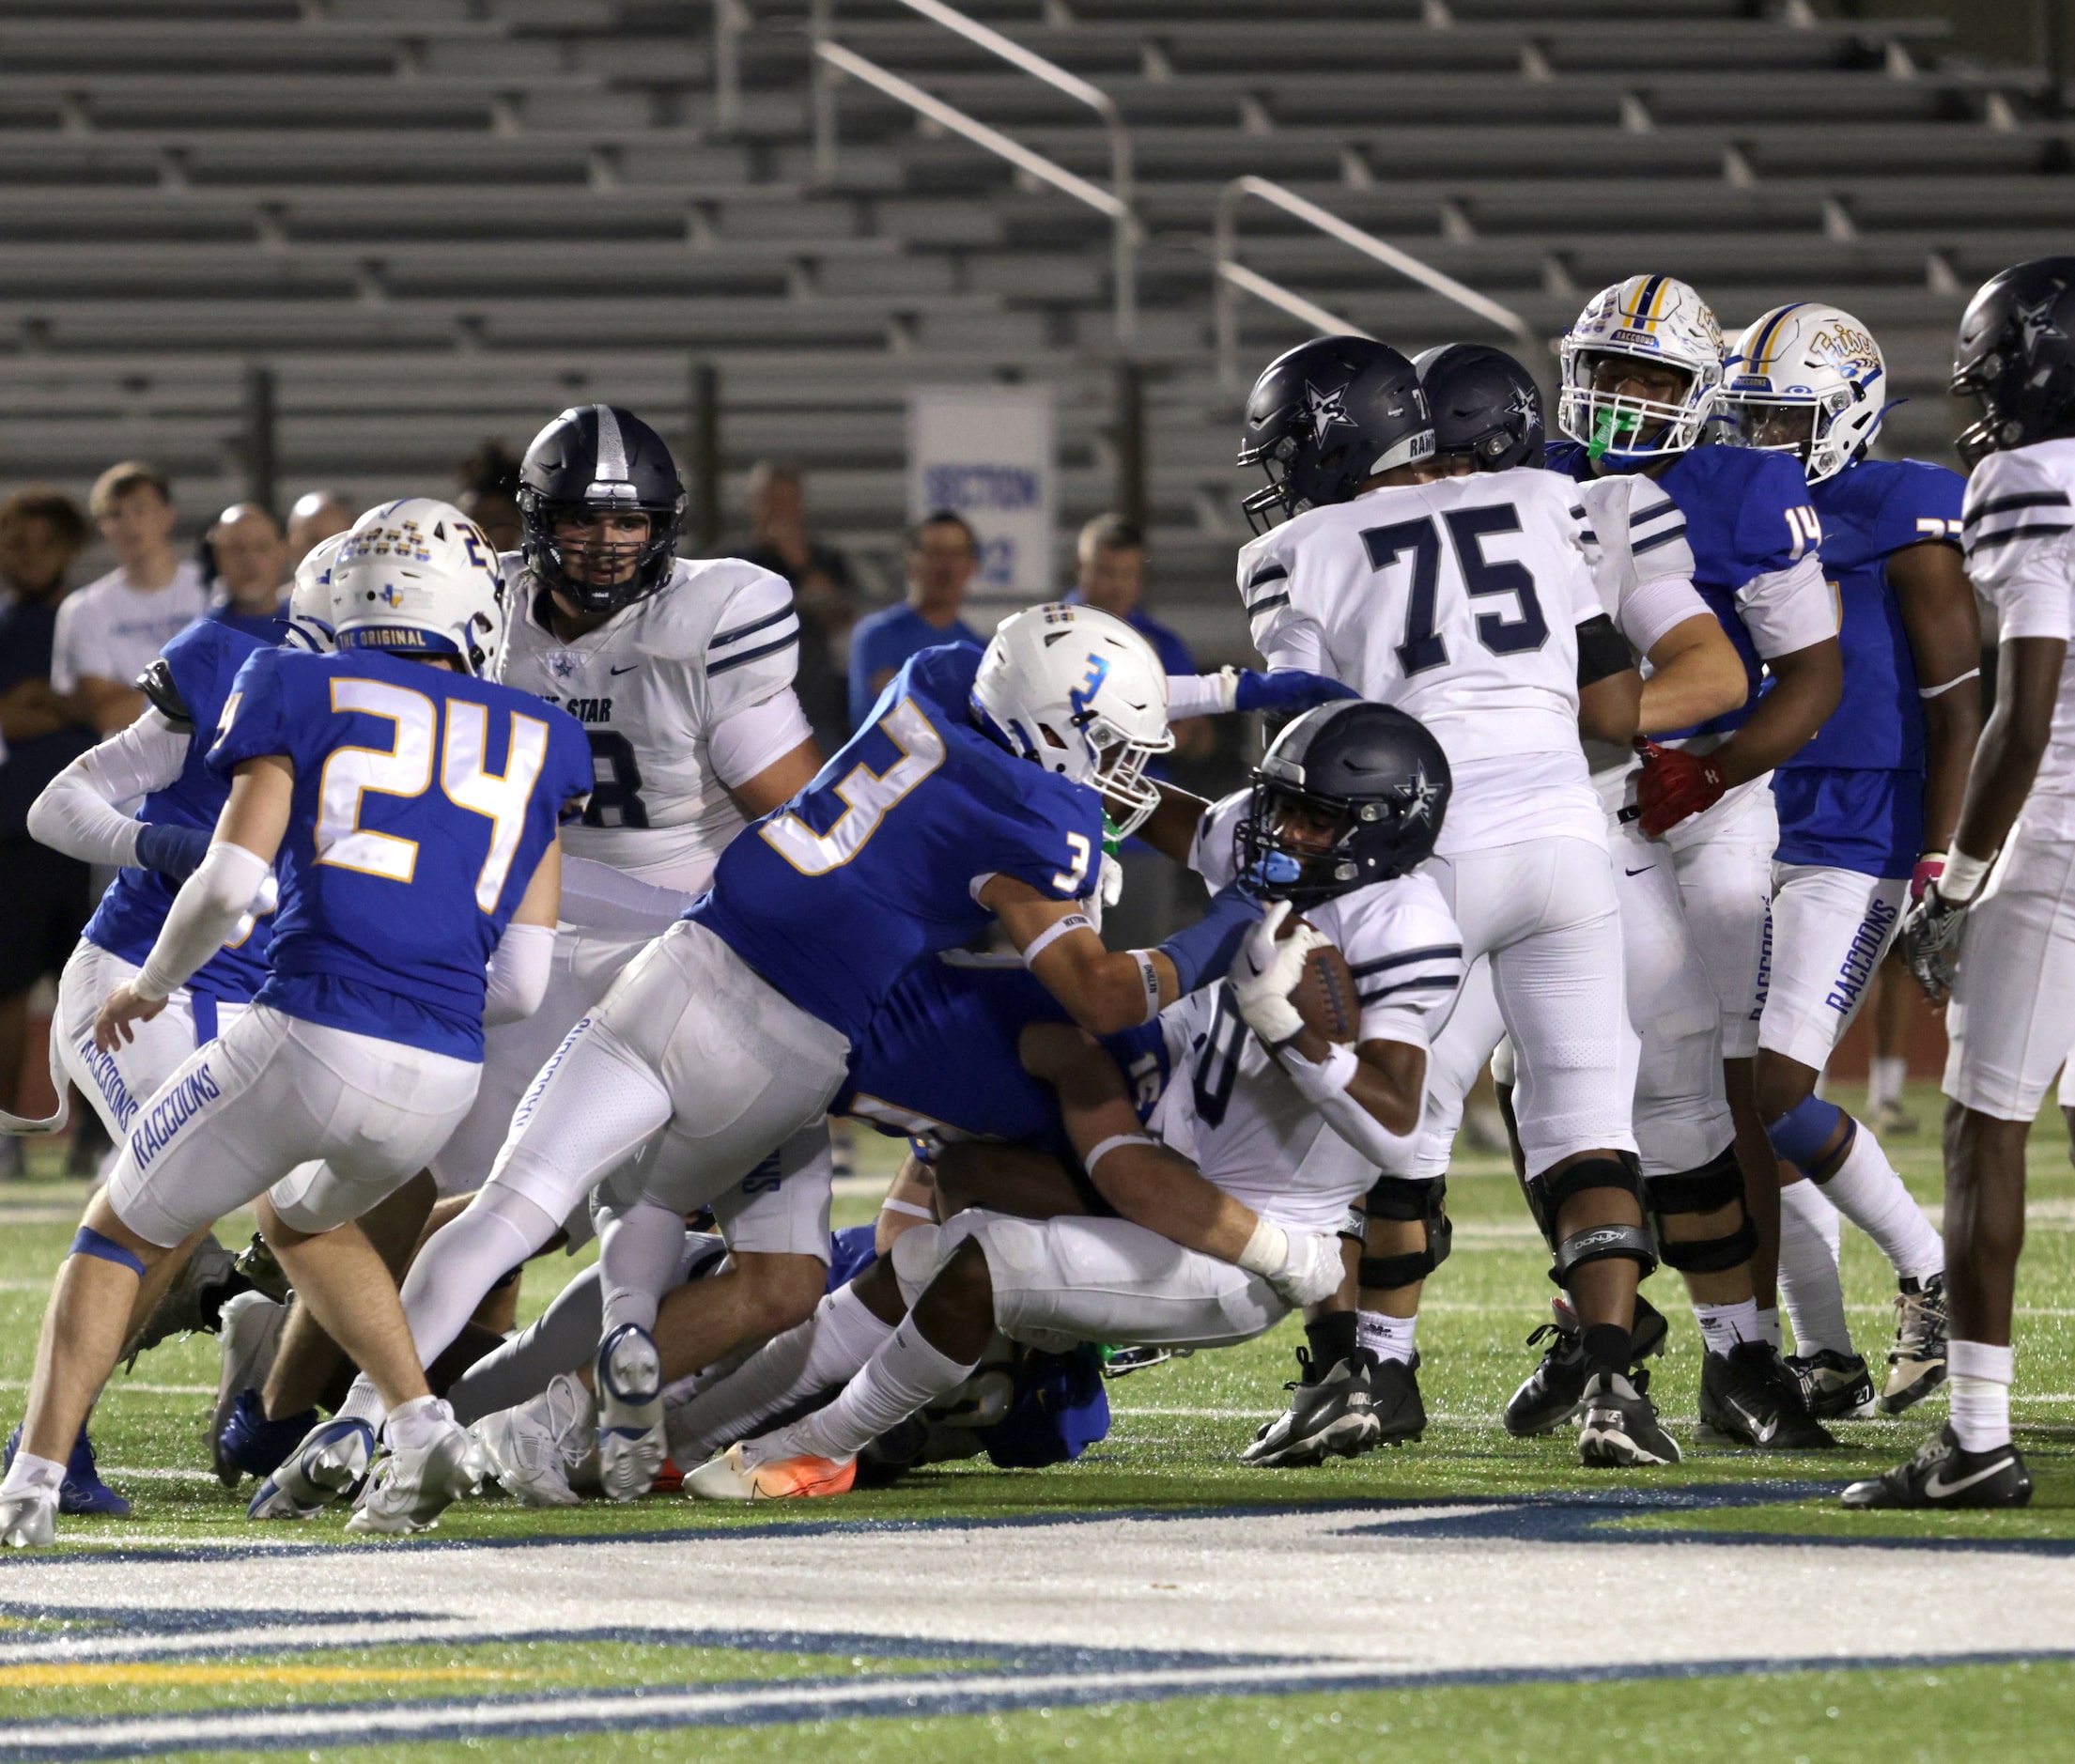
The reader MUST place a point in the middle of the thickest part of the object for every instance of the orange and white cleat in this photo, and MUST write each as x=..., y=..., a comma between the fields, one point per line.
x=735, y=1476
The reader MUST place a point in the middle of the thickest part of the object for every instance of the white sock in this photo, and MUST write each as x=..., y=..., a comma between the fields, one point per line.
x=828, y=1349
x=414, y=1425
x=640, y=1252
x=904, y=1375
x=1978, y=1376
x=1723, y=1326
x=362, y=1403
x=1866, y=1191
x=1386, y=1338
x=1809, y=1286
x=28, y=1473
x=1768, y=1327
x=463, y=1259
x=1885, y=1076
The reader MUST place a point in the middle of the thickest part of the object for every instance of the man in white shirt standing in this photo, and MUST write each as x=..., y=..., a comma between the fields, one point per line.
x=111, y=630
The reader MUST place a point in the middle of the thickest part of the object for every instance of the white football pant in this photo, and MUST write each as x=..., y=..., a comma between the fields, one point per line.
x=2012, y=1018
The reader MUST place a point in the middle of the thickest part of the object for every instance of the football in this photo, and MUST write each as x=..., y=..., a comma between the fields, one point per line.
x=1325, y=996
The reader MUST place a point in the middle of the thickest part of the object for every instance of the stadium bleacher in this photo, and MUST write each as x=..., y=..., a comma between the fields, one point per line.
x=441, y=219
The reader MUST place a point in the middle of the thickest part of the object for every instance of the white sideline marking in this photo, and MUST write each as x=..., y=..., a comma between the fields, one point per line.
x=123, y=1384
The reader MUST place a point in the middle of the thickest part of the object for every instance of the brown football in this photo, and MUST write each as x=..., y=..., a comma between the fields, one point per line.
x=1325, y=996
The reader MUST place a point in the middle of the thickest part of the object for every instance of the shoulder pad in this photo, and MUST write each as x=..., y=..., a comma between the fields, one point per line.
x=157, y=684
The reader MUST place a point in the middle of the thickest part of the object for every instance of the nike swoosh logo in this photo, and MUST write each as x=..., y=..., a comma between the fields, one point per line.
x=1937, y=1488
x=1764, y=1434
x=628, y=669
x=1645, y=868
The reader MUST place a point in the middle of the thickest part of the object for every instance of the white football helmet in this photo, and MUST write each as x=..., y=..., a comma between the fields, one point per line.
x=1082, y=694
x=1807, y=357
x=313, y=601
x=1653, y=318
x=418, y=576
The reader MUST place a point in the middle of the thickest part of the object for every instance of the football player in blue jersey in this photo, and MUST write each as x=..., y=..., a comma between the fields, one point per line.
x=976, y=793
x=161, y=759
x=1865, y=811
x=1642, y=376
x=414, y=807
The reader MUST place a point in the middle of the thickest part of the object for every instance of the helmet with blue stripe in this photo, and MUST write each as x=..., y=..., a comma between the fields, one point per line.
x=1663, y=324
x=1808, y=380
x=312, y=612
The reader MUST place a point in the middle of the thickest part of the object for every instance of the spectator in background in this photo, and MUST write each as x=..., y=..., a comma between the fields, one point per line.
x=252, y=569
x=43, y=897
x=110, y=631
x=824, y=593
x=316, y=516
x=942, y=554
x=490, y=494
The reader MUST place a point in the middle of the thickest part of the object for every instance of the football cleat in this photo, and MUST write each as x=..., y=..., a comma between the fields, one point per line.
x=251, y=1331
x=83, y=1494
x=1838, y=1386
x=251, y=1445
x=1620, y=1427
x=1328, y=1416
x=193, y=1302
x=1555, y=1390
x=1394, y=1400
x=531, y=1448
x=1748, y=1397
x=262, y=1270
x=631, y=1445
x=1892, y=1121
x=1945, y=1474
x=407, y=1491
x=1916, y=1363
x=330, y=1466
x=736, y=1474
x=28, y=1521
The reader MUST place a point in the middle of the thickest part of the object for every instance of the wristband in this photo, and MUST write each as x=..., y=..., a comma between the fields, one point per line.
x=1940, y=691
x=907, y=1209
x=1329, y=1077
x=1962, y=878
x=1266, y=1250
x=1148, y=977
x=1053, y=932
x=1105, y=1147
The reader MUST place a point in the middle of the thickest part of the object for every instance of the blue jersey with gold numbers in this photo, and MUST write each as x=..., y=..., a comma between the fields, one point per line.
x=424, y=801
x=835, y=896
x=191, y=687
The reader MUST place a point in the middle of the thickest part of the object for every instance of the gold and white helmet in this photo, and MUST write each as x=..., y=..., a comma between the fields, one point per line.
x=418, y=576
x=1653, y=318
x=1806, y=357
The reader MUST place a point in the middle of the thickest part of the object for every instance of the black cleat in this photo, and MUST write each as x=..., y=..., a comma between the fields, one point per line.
x=1394, y=1400
x=1748, y=1397
x=1555, y=1389
x=1945, y=1474
x=1836, y=1386
x=1620, y=1427
x=1328, y=1416
x=1916, y=1363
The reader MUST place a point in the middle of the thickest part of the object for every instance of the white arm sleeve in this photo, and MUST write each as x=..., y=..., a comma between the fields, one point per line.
x=745, y=742
x=1202, y=694
x=78, y=812
x=518, y=973
x=1656, y=607
x=1325, y=1086
x=600, y=898
x=1785, y=609
x=203, y=918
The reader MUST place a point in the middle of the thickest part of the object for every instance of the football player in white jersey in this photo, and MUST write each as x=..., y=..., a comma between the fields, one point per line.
x=1469, y=603
x=1996, y=931
x=1693, y=1182
x=1272, y=1133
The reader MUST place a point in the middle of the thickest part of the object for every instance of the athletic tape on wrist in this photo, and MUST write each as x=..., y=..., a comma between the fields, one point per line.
x=1320, y=1080
x=89, y=1242
x=1148, y=977
x=1266, y=1250
x=906, y=1208
x=1104, y=1149
x=1963, y=876
x=1053, y=932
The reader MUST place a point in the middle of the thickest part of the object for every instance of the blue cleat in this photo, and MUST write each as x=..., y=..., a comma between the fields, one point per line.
x=253, y=1445
x=329, y=1465
x=82, y=1494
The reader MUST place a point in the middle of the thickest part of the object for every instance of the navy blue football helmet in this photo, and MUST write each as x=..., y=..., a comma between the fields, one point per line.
x=596, y=459
x=1326, y=416
x=2016, y=358
x=1370, y=782
x=1486, y=406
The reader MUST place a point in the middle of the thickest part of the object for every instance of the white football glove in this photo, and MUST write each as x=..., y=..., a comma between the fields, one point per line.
x=1265, y=972
x=1301, y=1267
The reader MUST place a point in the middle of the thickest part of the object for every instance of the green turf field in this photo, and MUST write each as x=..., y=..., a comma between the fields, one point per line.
x=1176, y=1431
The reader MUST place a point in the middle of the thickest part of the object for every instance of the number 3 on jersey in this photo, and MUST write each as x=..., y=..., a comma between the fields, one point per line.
x=403, y=770
x=1423, y=646
x=867, y=797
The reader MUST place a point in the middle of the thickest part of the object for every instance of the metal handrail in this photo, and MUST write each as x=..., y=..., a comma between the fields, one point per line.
x=1233, y=278
x=1115, y=203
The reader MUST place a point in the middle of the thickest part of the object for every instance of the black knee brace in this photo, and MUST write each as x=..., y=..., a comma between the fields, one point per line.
x=1396, y=1198
x=1717, y=1184
x=1547, y=1194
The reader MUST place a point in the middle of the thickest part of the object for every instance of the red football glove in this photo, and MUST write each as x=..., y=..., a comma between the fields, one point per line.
x=1674, y=784
x=1929, y=867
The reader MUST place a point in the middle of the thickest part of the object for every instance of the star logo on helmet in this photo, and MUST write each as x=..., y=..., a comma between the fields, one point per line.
x=1326, y=407
x=2037, y=320
x=1524, y=408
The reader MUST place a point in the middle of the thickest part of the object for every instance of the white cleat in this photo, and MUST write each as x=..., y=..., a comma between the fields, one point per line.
x=330, y=1466
x=533, y=1448
x=251, y=1330
x=743, y=1474
x=408, y=1490
x=631, y=1447
x=28, y=1521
